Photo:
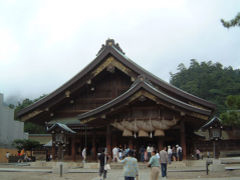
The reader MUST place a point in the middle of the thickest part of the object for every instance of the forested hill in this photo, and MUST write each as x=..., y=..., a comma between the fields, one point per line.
x=208, y=80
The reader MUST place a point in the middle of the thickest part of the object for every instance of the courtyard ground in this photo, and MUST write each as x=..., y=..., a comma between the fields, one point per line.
x=116, y=174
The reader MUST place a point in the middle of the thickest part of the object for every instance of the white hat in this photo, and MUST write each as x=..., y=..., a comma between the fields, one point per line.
x=177, y=145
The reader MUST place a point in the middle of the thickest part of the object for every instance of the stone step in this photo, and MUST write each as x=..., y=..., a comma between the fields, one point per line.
x=195, y=163
x=144, y=165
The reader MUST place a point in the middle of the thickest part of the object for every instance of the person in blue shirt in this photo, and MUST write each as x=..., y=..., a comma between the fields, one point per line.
x=154, y=164
x=130, y=166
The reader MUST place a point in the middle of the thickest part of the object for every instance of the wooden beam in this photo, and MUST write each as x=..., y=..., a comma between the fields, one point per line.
x=30, y=115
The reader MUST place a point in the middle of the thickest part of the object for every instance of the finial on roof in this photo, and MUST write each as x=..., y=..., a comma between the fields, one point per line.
x=110, y=42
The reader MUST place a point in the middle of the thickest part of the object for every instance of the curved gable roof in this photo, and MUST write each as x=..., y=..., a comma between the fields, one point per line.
x=113, y=49
x=142, y=84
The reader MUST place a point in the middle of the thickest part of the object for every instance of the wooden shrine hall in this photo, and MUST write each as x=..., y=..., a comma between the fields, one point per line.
x=113, y=101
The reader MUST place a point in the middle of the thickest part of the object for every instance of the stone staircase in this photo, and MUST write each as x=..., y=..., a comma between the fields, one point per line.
x=115, y=165
x=141, y=165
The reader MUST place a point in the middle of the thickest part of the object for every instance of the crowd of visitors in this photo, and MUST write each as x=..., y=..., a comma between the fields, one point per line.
x=156, y=160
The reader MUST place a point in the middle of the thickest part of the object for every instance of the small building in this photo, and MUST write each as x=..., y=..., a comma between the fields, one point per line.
x=9, y=130
x=228, y=145
x=113, y=101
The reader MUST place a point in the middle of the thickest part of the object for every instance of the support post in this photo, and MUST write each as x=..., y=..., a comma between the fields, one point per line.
x=183, y=139
x=94, y=151
x=130, y=143
x=53, y=147
x=61, y=170
x=160, y=143
x=114, y=140
x=85, y=136
x=108, y=140
x=214, y=149
x=74, y=148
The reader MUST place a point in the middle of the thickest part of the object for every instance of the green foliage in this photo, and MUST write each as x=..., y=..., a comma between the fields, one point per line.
x=11, y=106
x=30, y=144
x=26, y=144
x=207, y=80
x=234, y=22
x=33, y=128
x=18, y=143
x=27, y=102
x=28, y=126
x=232, y=115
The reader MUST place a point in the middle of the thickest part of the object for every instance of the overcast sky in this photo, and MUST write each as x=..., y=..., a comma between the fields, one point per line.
x=45, y=43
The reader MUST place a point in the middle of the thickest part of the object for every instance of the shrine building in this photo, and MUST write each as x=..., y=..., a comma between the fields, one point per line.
x=112, y=102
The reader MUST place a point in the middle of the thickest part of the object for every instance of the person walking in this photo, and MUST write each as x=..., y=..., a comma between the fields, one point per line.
x=174, y=154
x=163, y=160
x=198, y=154
x=149, y=150
x=179, y=152
x=84, y=154
x=7, y=156
x=115, y=154
x=103, y=158
x=141, y=152
x=130, y=166
x=169, y=151
x=154, y=164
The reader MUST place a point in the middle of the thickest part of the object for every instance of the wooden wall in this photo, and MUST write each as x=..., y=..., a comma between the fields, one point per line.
x=3, y=152
x=105, y=87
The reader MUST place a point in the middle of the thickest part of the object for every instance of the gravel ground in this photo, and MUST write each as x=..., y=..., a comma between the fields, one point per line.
x=45, y=176
x=113, y=175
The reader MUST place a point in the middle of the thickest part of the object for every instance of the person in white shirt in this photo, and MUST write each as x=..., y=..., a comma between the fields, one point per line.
x=84, y=154
x=7, y=155
x=179, y=152
x=115, y=153
x=149, y=151
x=169, y=151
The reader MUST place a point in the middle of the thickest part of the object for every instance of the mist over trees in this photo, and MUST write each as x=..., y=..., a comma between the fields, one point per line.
x=210, y=81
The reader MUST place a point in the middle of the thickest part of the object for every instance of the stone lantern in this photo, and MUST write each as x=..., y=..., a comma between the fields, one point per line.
x=214, y=127
x=60, y=132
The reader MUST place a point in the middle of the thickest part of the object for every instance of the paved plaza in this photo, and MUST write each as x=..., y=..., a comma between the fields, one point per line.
x=27, y=173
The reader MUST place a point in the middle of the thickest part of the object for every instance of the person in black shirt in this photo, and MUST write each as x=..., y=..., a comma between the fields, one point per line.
x=102, y=160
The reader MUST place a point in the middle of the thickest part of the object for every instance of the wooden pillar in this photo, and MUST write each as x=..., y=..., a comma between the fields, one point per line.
x=73, y=148
x=183, y=139
x=94, y=151
x=53, y=147
x=160, y=143
x=114, y=140
x=130, y=143
x=108, y=140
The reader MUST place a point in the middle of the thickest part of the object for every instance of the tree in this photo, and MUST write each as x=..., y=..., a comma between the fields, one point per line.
x=208, y=80
x=27, y=102
x=19, y=144
x=32, y=128
x=234, y=22
x=28, y=126
x=232, y=115
x=26, y=144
